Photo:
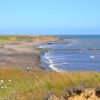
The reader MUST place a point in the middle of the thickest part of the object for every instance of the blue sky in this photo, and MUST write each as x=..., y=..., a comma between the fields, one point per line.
x=49, y=16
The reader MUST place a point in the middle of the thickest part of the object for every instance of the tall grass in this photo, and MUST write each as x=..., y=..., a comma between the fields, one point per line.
x=37, y=85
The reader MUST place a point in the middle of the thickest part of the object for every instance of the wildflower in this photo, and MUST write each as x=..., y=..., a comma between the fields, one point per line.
x=2, y=87
x=1, y=81
x=9, y=80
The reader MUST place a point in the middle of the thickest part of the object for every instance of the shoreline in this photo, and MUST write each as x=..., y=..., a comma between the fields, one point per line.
x=23, y=54
x=51, y=65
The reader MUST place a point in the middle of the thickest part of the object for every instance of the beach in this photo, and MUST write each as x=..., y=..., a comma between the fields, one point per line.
x=40, y=53
x=22, y=54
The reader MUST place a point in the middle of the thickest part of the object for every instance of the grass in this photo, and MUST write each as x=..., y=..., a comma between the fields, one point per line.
x=11, y=38
x=37, y=85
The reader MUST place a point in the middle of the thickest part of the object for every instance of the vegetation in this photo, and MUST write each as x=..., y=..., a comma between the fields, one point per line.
x=11, y=38
x=18, y=84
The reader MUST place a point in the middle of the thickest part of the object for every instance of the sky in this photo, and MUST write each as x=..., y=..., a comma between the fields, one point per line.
x=49, y=16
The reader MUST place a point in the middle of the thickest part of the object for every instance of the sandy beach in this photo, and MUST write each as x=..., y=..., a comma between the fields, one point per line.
x=21, y=54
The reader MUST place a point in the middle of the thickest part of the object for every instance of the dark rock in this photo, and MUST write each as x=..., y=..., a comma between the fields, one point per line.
x=69, y=93
x=97, y=92
x=78, y=90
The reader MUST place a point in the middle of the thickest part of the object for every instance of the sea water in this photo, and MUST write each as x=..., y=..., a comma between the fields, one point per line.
x=73, y=53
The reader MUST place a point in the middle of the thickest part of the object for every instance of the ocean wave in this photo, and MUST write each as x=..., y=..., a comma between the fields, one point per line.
x=61, y=64
x=52, y=65
x=92, y=57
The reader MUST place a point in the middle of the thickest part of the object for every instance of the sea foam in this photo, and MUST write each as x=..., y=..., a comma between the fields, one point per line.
x=51, y=64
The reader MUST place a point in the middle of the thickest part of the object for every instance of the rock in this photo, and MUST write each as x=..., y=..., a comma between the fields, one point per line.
x=88, y=93
x=74, y=91
x=53, y=97
x=69, y=93
x=97, y=92
x=78, y=93
x=78, y=90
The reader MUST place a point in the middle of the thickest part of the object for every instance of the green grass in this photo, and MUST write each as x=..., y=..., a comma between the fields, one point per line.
x=37, y=85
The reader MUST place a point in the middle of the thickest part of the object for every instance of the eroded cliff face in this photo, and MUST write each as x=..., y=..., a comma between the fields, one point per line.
x=78, y=94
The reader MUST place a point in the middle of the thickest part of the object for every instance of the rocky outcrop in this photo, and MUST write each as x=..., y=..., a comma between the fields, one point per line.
x=79, y=93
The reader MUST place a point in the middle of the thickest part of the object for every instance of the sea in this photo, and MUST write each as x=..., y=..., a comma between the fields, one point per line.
x=72, y=53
